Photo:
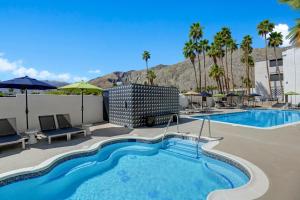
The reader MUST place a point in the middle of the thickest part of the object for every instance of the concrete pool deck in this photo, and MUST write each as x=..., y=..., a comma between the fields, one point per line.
x=275, y=151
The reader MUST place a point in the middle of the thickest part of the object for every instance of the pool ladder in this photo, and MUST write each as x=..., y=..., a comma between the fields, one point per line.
x=167, y=127
x=206, y=118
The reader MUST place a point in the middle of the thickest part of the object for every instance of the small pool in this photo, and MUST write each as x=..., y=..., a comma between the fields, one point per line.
x=132, y=171
x=260, y=118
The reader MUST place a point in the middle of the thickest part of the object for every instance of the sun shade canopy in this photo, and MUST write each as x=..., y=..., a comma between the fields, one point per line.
x=81, y=86
x=292, y=93
x=219, y=95
x=232, y=95
x=205, y=94
x=191, y=93
x=26, y=83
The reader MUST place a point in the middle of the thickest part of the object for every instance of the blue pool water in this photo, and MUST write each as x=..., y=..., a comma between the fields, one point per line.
x=258, y=118
x=132, y=171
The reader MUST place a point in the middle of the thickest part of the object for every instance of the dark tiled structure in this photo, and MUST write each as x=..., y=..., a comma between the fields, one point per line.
x=130, y=105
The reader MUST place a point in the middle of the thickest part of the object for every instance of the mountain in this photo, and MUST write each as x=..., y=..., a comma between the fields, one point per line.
x=56, y=83
x=181, y=74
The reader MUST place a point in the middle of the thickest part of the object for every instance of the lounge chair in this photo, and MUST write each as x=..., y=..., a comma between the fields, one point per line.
x=48, y=127
x=64, y=123
x=219, y=104
x=197, y=109
x=8, y=135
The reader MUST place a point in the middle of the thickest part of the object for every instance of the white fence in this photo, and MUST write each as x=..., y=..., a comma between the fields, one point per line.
x=38, y=105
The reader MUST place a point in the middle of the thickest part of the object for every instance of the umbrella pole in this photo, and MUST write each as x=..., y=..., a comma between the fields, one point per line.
x=81, y=107
x=26, y=109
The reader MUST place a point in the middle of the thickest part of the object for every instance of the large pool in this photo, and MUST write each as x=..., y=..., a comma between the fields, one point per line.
x=261, y=118
x=132, y=171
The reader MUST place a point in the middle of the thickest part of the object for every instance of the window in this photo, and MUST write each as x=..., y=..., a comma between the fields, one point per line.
x=275, y=77
x=273, y=62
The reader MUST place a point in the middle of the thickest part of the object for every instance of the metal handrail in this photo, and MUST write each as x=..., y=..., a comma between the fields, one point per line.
x=200, y=133
x=167, y=127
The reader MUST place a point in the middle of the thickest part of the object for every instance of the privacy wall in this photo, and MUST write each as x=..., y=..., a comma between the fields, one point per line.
x=131, y=105
x=14, y=107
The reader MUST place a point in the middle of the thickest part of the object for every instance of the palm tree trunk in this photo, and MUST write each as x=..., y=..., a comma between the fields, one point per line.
x=204, y=70
x=219, y=84
x=232, y=79
x=195, y=71
x=224, y=77
x=200, y=74
x=226, y=65
x=248, y=73
x=279, y=74
x=147, y=73
x=267, y=66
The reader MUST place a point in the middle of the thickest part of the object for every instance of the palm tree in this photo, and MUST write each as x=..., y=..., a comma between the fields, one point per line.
x=232, y=46
x=211, y=88
x=246, y=46
x=195, y=35
x=205, y=47
x=294, y=35
x=195, y=31
x=213, y=53
x=226, y=35
x=275, y=40
x=198, y=50
x=189, y=53
x=219, y=44
x=151, y=76
x=264, y=28
x=293, y=3
x=216, y=73
x=146, y=57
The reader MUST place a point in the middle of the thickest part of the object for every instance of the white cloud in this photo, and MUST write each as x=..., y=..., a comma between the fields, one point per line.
x=17, y=69
x=95, y=71
x=63, y=77
x=284, y=30
x=7, y=66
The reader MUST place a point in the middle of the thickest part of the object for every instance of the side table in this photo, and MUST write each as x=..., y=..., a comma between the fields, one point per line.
x=31, y=136
x=86, y=127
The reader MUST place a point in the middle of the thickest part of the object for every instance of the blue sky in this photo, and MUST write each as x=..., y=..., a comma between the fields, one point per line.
x=76, y=39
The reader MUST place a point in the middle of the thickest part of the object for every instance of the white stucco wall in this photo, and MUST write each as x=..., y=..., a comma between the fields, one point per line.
x=261, y=79
x=291, y=70
x=14, y=107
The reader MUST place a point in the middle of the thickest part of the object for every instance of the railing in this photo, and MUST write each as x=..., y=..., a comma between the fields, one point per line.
x=167, y=127
x=200, y=133
x=207, y=118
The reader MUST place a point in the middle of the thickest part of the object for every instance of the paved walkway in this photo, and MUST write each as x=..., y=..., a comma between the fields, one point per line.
x=276, y=152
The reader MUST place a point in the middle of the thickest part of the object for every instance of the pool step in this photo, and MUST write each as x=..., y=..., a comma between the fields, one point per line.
x=184, y=148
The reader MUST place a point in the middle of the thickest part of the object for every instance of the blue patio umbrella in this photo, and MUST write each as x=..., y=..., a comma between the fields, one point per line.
x=254, y=95
x=26, y=83
x=205, y=94
x=232, y=95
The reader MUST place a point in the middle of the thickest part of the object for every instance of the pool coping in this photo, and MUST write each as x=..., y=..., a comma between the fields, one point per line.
x=257, y=185
x=246, y=126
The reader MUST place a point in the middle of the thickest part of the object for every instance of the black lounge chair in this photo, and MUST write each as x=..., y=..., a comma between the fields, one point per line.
x=48, y=127
x=64, y=123
x=8, y=135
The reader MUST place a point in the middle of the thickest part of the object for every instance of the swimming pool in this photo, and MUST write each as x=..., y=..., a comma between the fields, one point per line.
x=132, y=170
x=259, y=118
